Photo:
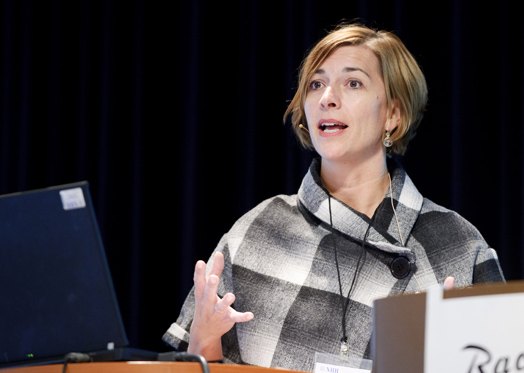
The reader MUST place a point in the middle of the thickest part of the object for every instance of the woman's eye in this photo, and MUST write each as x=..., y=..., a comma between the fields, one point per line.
x=354, y=84
x=315, y=85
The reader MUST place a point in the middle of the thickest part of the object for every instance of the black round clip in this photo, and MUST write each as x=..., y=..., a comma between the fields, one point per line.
x=400, y=267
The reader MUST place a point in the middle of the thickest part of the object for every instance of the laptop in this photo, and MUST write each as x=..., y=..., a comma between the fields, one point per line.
x=56, y=291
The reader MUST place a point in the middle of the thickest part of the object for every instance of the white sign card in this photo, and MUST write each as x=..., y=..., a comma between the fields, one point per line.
x=476, y=334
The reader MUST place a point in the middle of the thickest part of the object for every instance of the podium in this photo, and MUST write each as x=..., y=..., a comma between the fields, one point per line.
x=475, y=329
x=143, y=367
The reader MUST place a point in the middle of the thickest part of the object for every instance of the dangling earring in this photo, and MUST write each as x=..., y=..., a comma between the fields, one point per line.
x=387, y=142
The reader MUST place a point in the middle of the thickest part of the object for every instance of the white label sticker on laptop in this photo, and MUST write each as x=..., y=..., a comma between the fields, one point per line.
x=72, y=199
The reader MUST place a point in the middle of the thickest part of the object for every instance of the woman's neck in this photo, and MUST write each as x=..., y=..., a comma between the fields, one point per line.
x=361, y=186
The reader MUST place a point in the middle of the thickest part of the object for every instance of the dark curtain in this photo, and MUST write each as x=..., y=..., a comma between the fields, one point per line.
x=173, y=112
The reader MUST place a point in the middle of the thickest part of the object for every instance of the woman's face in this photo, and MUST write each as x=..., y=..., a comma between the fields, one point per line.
x=346, y=106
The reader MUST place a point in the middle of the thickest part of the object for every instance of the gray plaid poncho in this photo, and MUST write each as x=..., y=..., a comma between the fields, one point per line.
x=280, y=264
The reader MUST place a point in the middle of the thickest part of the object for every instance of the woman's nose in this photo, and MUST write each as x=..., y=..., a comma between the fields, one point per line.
x=329, y=99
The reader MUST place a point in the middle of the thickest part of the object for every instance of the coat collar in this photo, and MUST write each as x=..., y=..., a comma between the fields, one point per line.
x=384, y=231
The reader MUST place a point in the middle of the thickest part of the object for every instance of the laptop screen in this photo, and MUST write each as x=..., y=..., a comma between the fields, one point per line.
x=56, y=292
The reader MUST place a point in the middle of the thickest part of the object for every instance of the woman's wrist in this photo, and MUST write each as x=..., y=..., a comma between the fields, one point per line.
x=210, y=350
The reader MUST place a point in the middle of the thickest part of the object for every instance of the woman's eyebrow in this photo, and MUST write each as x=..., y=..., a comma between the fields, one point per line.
x=351, y=69
x=346, y=70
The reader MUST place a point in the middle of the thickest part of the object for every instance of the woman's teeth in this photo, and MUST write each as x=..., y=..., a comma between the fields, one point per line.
x=332, y=127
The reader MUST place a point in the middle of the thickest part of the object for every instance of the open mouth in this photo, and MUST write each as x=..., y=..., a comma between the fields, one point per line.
x=332, y=127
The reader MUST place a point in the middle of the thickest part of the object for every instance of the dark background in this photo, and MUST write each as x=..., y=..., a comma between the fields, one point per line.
x=173, y=112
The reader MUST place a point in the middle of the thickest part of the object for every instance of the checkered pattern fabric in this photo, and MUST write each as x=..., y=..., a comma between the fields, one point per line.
x=280, y=264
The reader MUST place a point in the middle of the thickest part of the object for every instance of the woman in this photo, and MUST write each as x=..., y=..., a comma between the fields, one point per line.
x=303, y=270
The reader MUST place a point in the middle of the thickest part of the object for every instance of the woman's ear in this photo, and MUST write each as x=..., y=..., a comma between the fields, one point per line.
x=395, y=115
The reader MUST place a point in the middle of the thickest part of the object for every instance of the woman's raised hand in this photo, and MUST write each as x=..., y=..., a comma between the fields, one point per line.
x=213, y=316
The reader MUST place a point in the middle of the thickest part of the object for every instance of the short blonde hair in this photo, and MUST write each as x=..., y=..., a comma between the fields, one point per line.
x=404, y=81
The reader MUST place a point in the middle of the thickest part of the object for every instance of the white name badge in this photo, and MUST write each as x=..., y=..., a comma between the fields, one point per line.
x=327, y=363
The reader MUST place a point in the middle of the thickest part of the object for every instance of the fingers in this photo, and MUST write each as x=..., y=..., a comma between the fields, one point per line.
x=236, y=316
x=199, y=279
x=210, y=295
x=223, y=304
x=208, y=303
x=218, y=264
x=449, y=283
x=224, y=307
x=199, y=276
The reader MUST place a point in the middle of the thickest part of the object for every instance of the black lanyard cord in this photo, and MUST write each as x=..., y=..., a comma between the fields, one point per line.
x=345, y=302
